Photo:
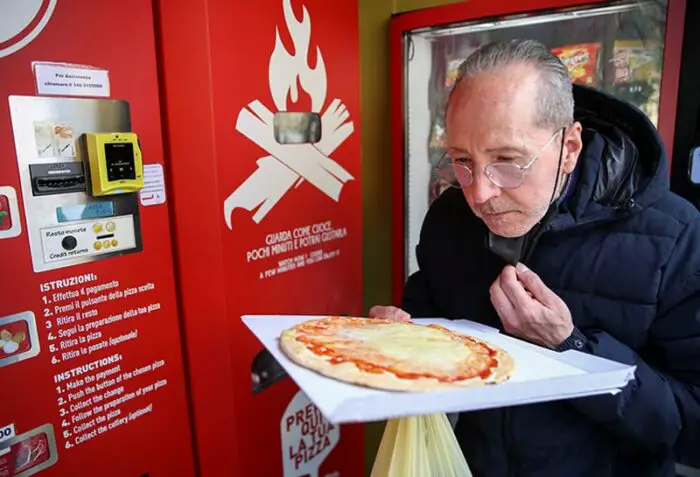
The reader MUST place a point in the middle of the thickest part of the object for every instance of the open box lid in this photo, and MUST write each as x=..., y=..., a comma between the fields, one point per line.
x=540, y=375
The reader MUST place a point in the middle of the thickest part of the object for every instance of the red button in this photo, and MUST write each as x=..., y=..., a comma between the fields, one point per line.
x=5, y=217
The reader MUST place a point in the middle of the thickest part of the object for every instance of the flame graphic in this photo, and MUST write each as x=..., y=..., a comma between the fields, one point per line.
x=286, y=68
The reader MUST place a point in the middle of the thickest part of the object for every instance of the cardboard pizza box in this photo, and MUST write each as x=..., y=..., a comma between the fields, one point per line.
x=541, y=375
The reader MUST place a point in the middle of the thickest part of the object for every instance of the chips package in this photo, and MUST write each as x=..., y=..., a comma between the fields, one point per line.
x=581, y=61
x=420, y=446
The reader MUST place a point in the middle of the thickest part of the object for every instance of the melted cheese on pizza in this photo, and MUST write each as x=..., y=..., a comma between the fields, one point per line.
x=421, y=346
x=406, y=350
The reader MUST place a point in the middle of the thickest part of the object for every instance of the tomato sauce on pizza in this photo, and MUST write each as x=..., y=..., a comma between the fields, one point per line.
x=394, y=355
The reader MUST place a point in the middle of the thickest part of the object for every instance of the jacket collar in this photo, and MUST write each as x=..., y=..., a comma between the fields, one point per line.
x=623, y=166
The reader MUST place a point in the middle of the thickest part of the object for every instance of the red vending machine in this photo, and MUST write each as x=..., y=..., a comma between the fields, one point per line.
x=90, y=348
x=262, y=112
x=631, y=49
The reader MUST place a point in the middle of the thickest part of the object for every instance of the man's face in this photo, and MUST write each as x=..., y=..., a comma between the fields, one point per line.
x=490, y=119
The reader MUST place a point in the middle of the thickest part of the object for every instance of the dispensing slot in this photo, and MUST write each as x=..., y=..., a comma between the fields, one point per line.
x=57, y=178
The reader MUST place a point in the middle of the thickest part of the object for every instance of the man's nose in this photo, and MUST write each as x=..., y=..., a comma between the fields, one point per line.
x=482, y=189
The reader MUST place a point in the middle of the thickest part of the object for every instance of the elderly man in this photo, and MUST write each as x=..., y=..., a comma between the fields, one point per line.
x=562, y=231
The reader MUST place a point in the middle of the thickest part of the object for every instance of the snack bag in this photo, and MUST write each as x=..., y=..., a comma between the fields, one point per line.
x=581, y=61
x=636, y=60
x=420, y=446
x=638, y=75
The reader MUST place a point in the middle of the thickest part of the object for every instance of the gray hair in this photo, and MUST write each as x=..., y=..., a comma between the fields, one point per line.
x=556, y=100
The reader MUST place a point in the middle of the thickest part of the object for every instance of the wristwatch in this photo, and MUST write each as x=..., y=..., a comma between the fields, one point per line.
x=576, y=340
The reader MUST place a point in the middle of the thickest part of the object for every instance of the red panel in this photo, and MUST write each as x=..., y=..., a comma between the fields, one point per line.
x=187, y=104
x=93, y=33
x=215, y=89
x=475, y=9
x=670, y=74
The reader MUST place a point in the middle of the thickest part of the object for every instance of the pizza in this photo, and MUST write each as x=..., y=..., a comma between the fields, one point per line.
x=394, y=355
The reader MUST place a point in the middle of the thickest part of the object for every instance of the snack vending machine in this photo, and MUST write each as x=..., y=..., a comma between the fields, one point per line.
x=90, y=350
x=631, y=49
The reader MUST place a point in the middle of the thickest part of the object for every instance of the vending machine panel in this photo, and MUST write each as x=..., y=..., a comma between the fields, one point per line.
x=80, y=169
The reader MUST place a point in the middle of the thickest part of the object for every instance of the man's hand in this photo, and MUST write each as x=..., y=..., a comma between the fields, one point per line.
x=389, y=312
x=529, y=309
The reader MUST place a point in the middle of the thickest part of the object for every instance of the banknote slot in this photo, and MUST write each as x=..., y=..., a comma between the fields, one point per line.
x=57, y=178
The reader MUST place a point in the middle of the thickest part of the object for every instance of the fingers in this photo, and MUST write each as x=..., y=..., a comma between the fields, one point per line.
x=502, y=304
x=389, y=312
x=528, y=308
x=534, y=284
x=513, y=288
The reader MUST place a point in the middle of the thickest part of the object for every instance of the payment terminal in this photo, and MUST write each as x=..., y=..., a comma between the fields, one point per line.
x=80, y=169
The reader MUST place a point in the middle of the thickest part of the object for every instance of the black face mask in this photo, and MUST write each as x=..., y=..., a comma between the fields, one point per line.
x=519, y=249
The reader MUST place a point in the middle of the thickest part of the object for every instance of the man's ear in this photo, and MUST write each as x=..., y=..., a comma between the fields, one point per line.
x=573, y=144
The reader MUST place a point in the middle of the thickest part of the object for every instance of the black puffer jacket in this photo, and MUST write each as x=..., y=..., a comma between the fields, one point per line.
x=623, y=252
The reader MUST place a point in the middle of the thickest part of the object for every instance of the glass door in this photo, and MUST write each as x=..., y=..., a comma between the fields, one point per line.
x=615, y=47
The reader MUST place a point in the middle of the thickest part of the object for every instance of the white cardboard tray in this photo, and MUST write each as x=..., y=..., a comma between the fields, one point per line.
x=541, y=375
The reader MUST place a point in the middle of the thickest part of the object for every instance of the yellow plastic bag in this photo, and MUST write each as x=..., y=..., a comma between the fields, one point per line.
x=420, y=446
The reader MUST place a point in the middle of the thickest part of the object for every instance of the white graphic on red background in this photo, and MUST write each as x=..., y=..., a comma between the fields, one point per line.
x=31, y=452
x=21, y=22
x=291, y=164
x=307, y=437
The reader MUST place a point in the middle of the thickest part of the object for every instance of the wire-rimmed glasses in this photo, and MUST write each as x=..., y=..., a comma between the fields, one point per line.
x=506, y=175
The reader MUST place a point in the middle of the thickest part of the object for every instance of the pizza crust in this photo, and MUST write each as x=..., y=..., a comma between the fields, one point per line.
x=298, y=352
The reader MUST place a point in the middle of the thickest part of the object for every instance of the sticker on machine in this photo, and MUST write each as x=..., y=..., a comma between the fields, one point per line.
x=6, y=433
x=67, y=79
x=19, y=339
x=307, y=437
x=153, y=192
x=299, y=145
x=10, y=225
x=21, y=22
x=28, y=453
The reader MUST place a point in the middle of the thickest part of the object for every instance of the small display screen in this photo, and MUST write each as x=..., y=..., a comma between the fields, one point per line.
x=120, y=161
x=297, y=128
x=93, y=210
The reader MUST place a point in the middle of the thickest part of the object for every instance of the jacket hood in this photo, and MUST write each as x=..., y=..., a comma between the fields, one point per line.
x=623, y=166
x=621, y=170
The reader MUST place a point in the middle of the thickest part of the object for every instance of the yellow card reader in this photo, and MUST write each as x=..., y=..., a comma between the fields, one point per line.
x=115, y=163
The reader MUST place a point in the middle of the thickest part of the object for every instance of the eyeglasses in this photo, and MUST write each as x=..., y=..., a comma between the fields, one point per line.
x=505, y=175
